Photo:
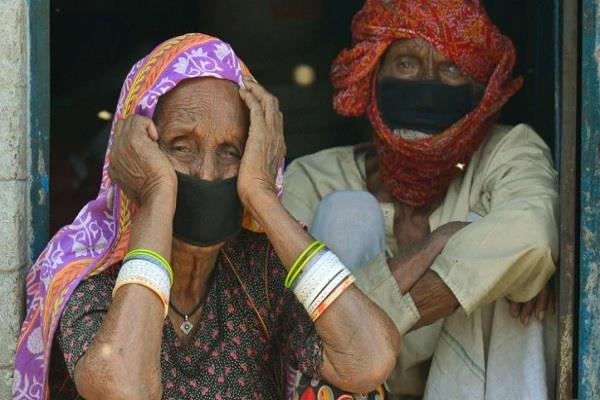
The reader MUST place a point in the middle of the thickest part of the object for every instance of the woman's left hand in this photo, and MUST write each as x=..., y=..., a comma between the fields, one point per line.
x=265, y=147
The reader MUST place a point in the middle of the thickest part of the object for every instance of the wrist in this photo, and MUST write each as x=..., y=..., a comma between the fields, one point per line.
x=261, y=203
x=163, y=198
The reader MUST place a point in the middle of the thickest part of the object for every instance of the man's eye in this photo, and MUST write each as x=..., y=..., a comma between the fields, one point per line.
x=406, y=63
x=453, y=69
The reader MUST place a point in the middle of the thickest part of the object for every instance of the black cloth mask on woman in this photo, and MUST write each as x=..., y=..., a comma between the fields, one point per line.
x=424, y=106
x=208, y=212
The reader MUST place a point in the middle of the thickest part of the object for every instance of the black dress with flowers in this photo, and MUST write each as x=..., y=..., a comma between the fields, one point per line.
x=231, y=356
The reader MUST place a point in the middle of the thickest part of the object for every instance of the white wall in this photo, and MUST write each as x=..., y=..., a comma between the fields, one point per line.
x=14, y=175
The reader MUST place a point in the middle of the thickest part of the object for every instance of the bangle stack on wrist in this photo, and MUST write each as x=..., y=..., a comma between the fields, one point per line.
x=147, y=268
x=318, y=278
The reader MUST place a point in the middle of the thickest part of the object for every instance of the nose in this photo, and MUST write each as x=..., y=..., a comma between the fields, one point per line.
x=430, y=69
x=206, y=167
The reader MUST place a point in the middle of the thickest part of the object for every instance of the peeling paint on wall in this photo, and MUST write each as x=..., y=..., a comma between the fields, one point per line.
x=589, y=315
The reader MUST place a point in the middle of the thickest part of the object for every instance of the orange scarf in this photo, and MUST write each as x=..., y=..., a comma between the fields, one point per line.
x=418, y=172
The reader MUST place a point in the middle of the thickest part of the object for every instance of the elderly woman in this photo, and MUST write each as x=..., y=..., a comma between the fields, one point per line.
x=446, y=214
x=154, y=292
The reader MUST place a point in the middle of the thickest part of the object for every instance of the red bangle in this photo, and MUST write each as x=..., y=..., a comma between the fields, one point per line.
x=332, y=297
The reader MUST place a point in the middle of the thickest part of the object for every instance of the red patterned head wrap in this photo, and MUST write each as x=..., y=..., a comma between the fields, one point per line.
x=418, y=172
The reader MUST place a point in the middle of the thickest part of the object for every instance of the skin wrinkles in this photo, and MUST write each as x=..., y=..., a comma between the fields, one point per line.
x=203, y=131
x=417, y=60
x=359, y=353
x=202, y=127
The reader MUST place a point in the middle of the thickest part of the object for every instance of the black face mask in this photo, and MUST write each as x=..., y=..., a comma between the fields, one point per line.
x=207, y=212
x=424, y=106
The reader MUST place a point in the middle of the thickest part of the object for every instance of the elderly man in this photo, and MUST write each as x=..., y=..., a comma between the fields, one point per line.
x=447, y=215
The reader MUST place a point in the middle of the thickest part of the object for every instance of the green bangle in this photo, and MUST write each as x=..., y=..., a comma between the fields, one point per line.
x=300, y=263
x=308, y=258
x=154, y=255
x=299, y=260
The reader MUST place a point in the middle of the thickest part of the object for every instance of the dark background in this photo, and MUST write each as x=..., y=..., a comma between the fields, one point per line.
x=93, y=45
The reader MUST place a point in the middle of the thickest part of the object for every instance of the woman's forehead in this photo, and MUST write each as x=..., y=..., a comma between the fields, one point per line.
x=201, y=98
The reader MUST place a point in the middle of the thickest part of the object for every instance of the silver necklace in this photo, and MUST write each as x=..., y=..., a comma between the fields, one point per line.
x=186, y=327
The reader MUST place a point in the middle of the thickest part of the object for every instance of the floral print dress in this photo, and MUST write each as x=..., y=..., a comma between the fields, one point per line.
x=230, y=355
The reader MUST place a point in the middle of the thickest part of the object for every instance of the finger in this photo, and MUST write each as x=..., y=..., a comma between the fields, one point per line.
x=541, y=304
x=514, y=309
x=119, y=126
x=141, y=125
x=271, y=111
x=526, y=310
x=261, y=93
x=152, y=131
x=256, y=110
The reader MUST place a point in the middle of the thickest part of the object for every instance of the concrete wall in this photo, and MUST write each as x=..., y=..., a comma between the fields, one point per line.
x=14, y=178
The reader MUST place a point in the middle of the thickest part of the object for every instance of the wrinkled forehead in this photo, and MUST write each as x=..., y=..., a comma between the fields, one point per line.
x=205, y=98
x=415, y=45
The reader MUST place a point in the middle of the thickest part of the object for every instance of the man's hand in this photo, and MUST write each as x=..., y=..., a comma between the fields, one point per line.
x=541, y=305
x=410, y=266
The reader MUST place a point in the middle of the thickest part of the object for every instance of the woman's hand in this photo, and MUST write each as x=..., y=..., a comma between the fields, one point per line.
x=265, y=147
x=137, y=164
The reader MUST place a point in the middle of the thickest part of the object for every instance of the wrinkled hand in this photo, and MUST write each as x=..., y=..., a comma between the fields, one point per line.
x=137, y=164
x=265, y=147
x=541, y=305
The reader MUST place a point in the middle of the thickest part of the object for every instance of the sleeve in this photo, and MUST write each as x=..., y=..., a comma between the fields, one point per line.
x=83, y=316
x=511, y=251
x=375, y=280
x=297, y=339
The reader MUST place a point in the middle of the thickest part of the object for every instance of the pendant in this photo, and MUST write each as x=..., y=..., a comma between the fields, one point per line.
x=186, y=327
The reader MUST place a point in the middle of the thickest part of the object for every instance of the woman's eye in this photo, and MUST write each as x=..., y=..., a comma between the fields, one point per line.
x=232, y=154
x=181, y=149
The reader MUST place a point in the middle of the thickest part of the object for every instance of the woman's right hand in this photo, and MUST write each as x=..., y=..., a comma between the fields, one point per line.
x=137, y=164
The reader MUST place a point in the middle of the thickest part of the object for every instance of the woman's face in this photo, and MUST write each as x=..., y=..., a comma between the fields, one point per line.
x=203, y=126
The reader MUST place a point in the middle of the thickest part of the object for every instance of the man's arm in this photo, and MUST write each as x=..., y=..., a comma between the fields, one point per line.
x=433, y=299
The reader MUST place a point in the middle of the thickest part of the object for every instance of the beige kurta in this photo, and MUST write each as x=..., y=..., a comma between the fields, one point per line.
x=509, y=253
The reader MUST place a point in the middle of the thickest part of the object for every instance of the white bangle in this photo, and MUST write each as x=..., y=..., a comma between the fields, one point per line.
x=146, y=273
x=311, y=277
x=334, y=283
x=321, y=278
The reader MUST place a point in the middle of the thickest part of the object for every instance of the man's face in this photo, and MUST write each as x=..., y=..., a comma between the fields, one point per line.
x=417, y=60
